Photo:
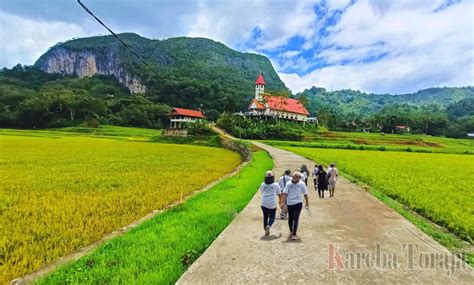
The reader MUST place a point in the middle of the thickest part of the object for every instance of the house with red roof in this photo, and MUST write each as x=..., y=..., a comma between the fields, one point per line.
x=265, y=105
x=402, y=128
x=179, y=117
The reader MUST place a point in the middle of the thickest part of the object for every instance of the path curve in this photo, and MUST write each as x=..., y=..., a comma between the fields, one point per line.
x=352, y=221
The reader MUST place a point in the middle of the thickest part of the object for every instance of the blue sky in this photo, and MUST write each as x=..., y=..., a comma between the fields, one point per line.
x=379, y=46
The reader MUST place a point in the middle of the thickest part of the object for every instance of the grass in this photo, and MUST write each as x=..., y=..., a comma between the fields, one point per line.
x=161, y=249
x=104, y=131
x=117, y=133
x=387, y=142
x=212, y=140
x=436, y=186
x=60, y=193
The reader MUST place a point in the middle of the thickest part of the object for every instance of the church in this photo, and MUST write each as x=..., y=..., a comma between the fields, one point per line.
x=265, y=105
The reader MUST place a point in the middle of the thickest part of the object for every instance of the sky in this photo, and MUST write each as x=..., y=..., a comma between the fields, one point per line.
x=377, y=46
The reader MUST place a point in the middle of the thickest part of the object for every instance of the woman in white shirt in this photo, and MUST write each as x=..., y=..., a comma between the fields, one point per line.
x=293, y=195
x=270, y=191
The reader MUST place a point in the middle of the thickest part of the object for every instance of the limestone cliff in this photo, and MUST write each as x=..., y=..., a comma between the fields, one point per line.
x=87, y=63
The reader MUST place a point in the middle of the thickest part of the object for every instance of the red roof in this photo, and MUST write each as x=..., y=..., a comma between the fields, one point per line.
x=285, y=104
x=260, y=80
x=186, y=113
x=259, y=105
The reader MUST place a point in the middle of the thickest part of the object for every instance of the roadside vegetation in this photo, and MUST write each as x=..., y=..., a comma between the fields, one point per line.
x=161, y=249
x=61, y=191
x=248, y=128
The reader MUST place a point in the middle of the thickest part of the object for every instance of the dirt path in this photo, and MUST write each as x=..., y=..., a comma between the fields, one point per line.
x=385, y=247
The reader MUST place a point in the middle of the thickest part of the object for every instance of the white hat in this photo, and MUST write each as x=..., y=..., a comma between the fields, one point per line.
x=297, y=173
x=269, y=173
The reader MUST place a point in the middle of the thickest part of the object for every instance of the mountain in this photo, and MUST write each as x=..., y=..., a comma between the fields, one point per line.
x=193, y=72
x=358, y=105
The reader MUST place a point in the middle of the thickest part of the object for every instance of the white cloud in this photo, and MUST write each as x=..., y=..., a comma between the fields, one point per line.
x=233, y=22
x=291, y=53
x=24, y=40
x=421, y=48
x=337, y=4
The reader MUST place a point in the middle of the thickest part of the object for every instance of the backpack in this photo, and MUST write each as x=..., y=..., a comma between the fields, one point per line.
x=323, y=175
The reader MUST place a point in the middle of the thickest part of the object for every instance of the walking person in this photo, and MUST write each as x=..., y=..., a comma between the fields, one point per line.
x=270, y=191
x=322, y=181
x=332, y=175
x=282, y=181
x=313, y=174
x=305, y=172
x=293, y=195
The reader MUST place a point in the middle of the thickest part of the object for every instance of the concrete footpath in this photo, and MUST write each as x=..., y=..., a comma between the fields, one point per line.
x=350, y=238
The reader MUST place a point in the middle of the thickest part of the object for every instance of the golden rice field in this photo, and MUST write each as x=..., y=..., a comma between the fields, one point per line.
x=439, y=186
x=60, y=194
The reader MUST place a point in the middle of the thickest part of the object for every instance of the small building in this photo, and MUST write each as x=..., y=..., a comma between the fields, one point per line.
x=179, y=117
x=266, y=105
x=402, y=129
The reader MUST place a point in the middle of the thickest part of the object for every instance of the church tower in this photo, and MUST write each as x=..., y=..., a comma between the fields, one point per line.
x=259, y=87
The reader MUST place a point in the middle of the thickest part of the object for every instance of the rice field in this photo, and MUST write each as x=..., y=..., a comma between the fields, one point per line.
x=160, y=250
x=438, y=186
x=386, y=142
x=58, y=194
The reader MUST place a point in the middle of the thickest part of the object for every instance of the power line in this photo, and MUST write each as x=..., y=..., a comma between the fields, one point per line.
x=130, y=49
x=120, y=40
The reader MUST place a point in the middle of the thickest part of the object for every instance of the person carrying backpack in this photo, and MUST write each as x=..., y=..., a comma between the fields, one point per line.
x=269, y=190
x=321, y=181
x=284, y=179
x=332, y=175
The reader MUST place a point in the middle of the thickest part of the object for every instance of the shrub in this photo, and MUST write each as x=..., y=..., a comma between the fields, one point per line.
x=244, y=127
x=199, y=128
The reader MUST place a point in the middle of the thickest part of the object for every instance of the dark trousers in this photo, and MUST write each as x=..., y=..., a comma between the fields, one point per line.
x=294, y=216
x=268, y=216
x=321, y=193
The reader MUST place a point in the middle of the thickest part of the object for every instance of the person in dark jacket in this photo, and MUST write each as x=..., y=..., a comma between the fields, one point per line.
x=321, y=178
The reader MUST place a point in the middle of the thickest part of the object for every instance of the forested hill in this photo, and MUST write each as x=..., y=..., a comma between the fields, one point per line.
x=353, y=104
x=194, y=72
